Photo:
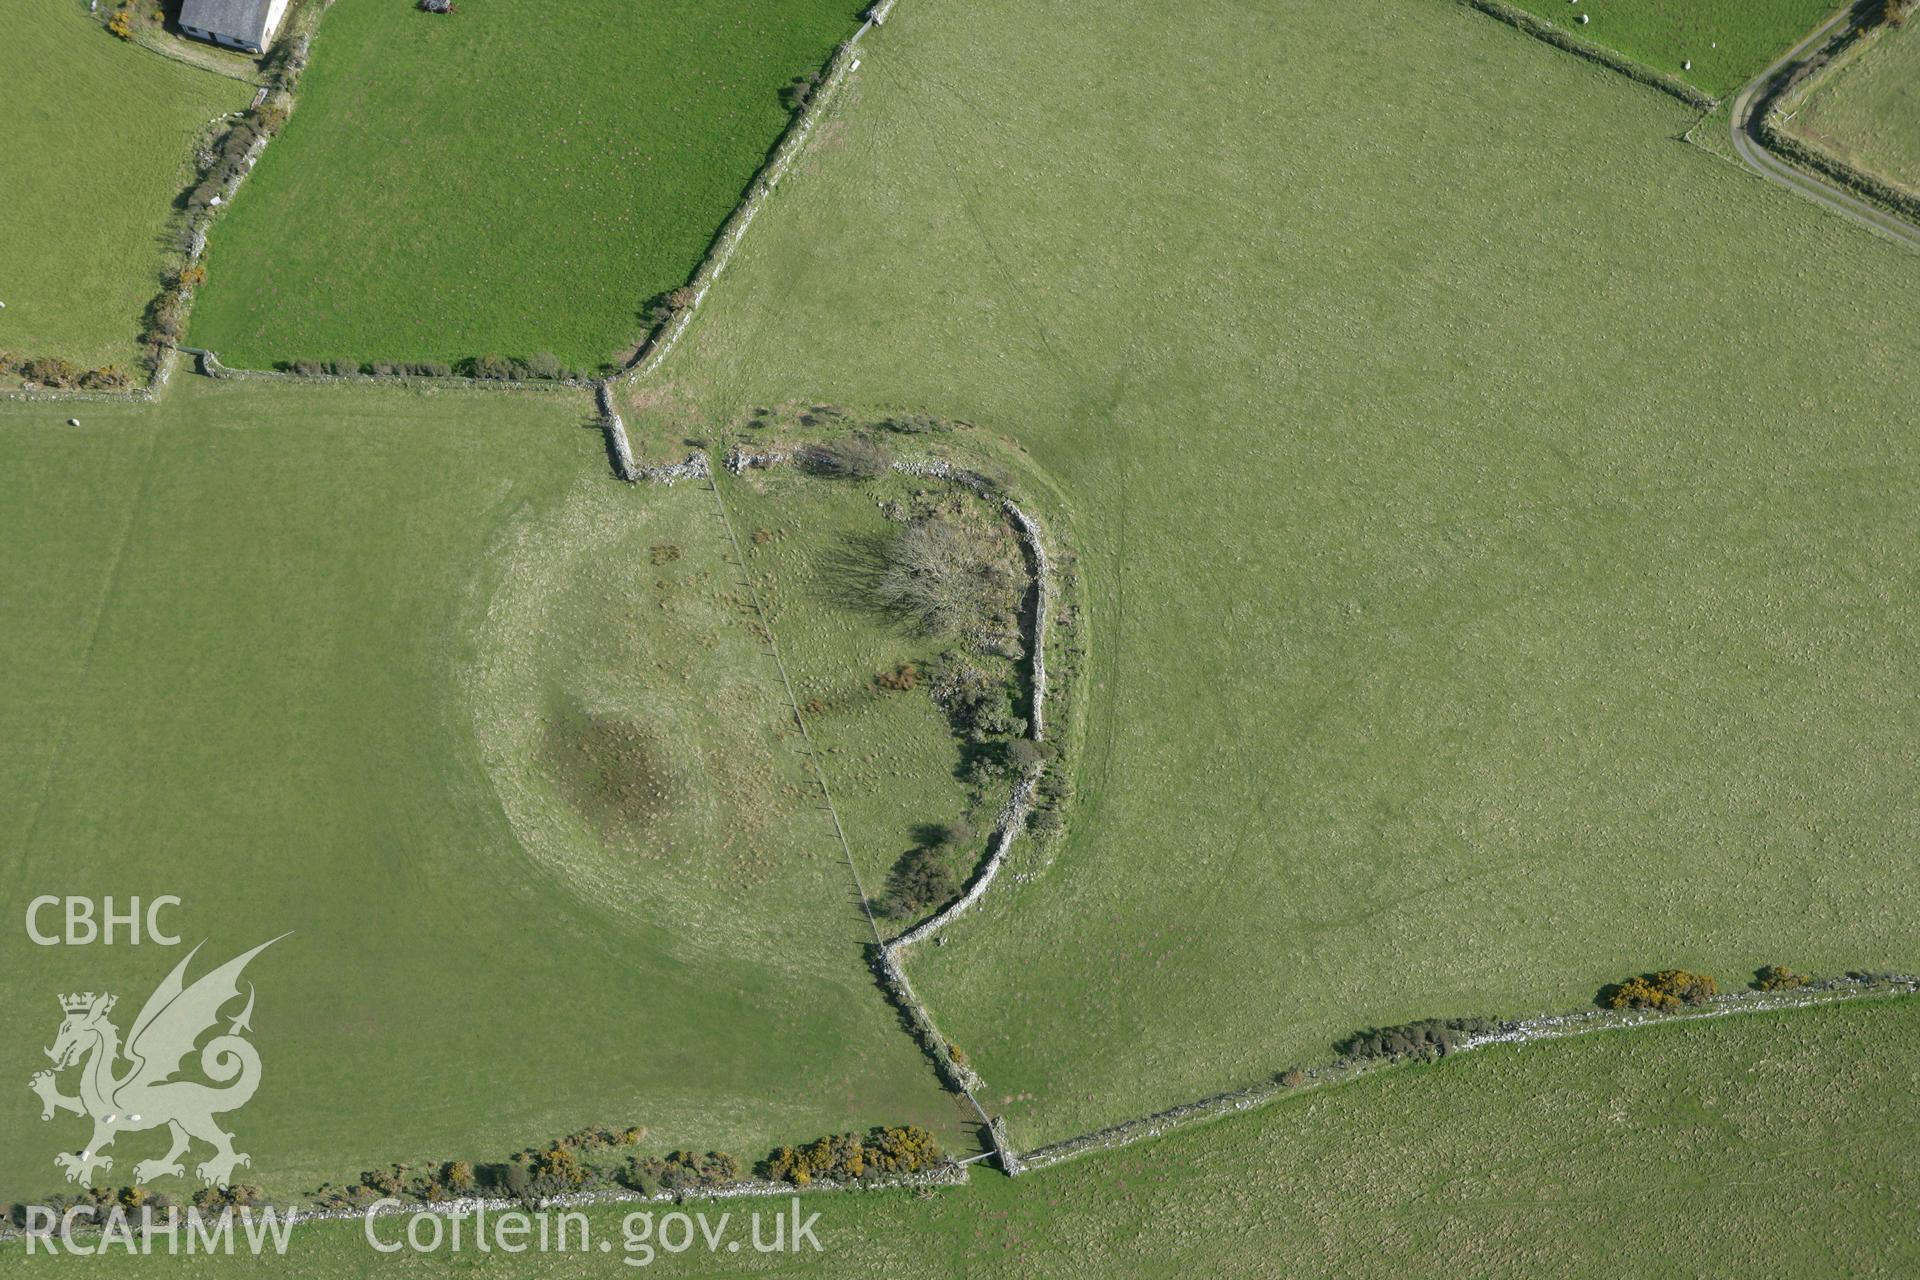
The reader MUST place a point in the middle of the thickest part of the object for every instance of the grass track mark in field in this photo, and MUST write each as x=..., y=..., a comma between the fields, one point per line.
x=64, y=718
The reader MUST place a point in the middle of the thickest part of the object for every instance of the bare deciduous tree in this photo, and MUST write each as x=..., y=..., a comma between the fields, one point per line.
x=953, y=577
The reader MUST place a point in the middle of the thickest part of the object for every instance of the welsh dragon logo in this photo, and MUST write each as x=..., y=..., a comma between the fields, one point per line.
x=145, y=1095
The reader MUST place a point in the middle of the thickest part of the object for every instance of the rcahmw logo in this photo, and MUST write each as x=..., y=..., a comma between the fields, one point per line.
x=143, y=1093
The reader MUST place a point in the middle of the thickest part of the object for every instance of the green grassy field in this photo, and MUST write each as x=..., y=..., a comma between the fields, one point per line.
x=1488, y=596
x=1867, y=110
x=398, y=672
x=1728, y=41
x=515, y=178
x=102, y=135
x=1769, y=1146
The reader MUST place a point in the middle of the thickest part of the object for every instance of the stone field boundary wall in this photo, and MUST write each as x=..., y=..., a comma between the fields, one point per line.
x=1517, y=1031
x=889, y=956
x=845, y=58
x=1560, y=38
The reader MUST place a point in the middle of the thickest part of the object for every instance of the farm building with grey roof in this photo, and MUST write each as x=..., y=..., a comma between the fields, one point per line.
x=238, y=24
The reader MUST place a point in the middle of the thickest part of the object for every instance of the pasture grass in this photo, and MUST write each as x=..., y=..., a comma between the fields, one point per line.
x=100, y=136
x=1728, y=41
x=515, y=178
x=1770, y=1145
x=890, y=756
x=398, y=672
x=1487, y=596
x=1866, y=110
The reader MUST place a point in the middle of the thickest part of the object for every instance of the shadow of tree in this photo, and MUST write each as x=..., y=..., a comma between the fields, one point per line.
x=850, y=574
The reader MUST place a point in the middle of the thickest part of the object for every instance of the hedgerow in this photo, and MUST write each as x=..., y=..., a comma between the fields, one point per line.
x=847, y=1157
x=60, y=373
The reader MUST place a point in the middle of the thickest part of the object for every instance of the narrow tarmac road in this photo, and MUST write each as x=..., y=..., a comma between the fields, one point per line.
x=1754, y=154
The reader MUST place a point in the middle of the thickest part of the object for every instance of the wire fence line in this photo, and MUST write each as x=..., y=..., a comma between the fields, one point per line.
x=793, y=702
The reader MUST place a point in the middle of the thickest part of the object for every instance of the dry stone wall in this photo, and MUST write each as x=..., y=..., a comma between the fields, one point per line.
x=618, y=449
x=1012, y=819
x=1517, y=1031
x=1540, y=29
x=839, y=66
x=695, y=467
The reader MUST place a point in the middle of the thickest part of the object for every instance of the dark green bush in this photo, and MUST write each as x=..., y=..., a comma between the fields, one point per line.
x=388, y=1182
x=270, y=116
x=214, y=1199
x=799, y=91
x=1046, y=822
x=1429, y=1038
x=1024, y=753
x=679, y=1171
x=106, y=378
x=166, y=317
x=638, y=1174
x=1777, y=977
x=976, y=702
x=922, y=878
